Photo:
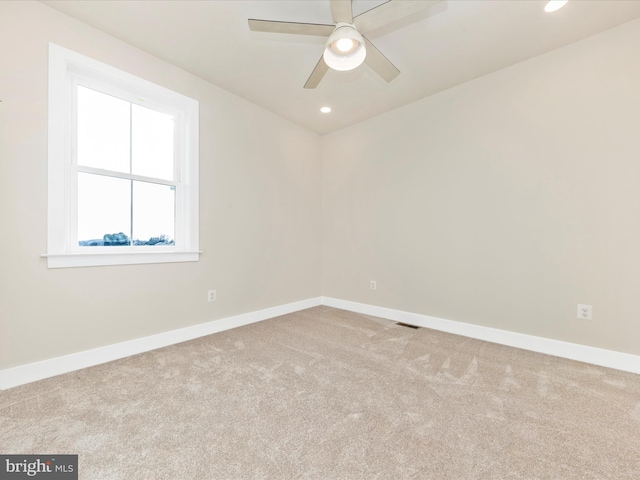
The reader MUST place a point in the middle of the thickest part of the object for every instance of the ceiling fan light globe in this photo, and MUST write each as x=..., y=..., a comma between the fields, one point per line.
x=344, y=62
x=345, y=48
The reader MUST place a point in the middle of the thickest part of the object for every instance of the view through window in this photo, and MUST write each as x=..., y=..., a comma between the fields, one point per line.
x=125, y=155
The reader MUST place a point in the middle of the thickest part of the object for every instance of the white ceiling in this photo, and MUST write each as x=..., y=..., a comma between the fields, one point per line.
x=448, y=44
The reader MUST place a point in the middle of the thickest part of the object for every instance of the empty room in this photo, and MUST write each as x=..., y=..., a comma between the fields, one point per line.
x=323, y=239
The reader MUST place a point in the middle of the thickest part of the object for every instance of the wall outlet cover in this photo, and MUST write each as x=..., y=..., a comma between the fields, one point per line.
x=585, y=312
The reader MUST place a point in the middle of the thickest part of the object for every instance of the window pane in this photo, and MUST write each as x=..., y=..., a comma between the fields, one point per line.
x=153, y=214
x=104, y=210
x=103, y=131
x=152, y=143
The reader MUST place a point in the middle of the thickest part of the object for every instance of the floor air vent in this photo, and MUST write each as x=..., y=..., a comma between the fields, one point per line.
x=407, y=325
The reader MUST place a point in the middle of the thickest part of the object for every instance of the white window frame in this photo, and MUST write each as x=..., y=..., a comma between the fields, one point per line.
x=67, y=69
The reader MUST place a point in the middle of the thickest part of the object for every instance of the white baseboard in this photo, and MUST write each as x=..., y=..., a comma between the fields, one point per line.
x=582, y=353
x=31, y=372
x=12, y=377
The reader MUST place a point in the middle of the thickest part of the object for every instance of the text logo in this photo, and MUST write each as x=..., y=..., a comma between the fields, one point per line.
x=45, y=467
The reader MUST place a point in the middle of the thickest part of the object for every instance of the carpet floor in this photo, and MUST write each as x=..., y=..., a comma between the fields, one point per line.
x=329, y=394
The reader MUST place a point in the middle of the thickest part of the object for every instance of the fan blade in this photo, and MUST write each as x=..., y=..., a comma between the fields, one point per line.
x=341, y=11
x=389, y=12
x=317, y=74
x=295, y=28
x=379, y=63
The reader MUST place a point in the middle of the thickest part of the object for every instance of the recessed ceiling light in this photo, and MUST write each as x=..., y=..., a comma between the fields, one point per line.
x=325, y=109
x=554, y=5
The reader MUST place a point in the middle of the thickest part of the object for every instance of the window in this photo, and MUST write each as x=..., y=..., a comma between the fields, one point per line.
x=123, y=167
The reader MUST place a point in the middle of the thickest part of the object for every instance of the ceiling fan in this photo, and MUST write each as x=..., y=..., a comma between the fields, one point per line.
x=347, y=47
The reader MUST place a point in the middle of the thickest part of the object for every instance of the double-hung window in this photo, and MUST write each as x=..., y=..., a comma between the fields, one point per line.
x=123, y=167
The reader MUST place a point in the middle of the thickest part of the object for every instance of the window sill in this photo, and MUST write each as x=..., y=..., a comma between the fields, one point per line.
x=67, y=260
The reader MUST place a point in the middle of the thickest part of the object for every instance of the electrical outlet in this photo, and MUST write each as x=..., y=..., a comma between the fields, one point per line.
x=211, y=295
x=373, y=285
x=585, y=312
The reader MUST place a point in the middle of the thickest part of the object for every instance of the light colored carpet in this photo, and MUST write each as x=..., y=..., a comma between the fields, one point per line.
x=329, y=394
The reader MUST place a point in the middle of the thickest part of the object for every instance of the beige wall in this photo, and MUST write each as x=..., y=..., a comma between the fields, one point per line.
x=502, y=202
x=259, y=208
